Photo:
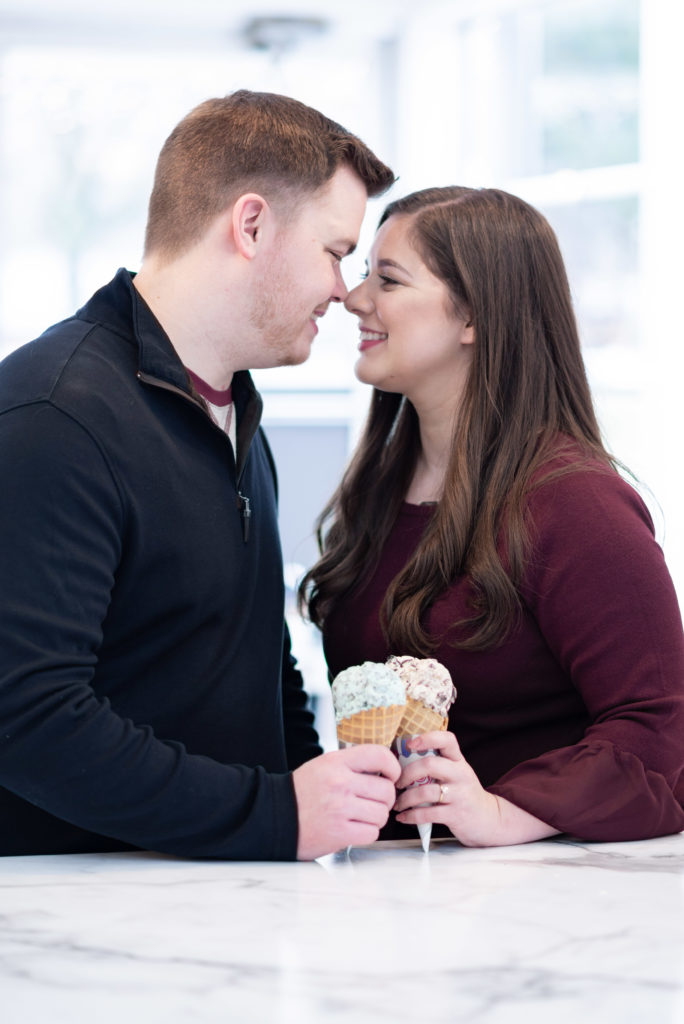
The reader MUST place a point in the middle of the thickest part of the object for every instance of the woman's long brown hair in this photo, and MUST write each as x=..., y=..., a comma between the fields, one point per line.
x=525, y=398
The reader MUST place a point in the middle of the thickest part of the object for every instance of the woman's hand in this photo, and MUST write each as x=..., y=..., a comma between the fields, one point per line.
x=457, y=799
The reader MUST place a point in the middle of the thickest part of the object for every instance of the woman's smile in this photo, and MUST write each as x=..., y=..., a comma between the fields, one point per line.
x=370, y=338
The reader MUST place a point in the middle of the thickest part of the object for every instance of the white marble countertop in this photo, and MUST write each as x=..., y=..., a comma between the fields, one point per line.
x=551, y=932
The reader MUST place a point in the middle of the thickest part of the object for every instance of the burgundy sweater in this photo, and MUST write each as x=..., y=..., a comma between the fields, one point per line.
x=578, y=716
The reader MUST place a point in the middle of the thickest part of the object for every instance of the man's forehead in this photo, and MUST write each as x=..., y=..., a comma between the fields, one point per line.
x=343, y=204
x=344, y=188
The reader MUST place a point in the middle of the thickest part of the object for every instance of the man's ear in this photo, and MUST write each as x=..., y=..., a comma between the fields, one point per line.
x=250, y=212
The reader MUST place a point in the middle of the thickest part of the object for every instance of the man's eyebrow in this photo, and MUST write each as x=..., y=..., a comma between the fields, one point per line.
x=345, y=244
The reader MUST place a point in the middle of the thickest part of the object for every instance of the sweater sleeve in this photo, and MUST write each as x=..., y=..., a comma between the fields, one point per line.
x=603, y=599
x=63, y=748
x=301, y=738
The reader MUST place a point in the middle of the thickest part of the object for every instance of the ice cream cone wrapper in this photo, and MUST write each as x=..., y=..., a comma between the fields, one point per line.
x=406, y=756
x=418, y=718
x=376, y=725
x=425, y=833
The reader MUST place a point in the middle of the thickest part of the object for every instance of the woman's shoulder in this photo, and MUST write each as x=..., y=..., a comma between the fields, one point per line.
x=593, y=556
x=562, y=453
x=582, y=515
x=573, y=483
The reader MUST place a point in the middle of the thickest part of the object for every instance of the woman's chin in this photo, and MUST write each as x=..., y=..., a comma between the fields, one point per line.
x=361, y=372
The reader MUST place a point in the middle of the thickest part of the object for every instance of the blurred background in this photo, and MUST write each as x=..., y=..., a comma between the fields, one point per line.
x=571, y=104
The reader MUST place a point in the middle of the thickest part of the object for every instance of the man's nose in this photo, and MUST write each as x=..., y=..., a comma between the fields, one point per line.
x=340, y=291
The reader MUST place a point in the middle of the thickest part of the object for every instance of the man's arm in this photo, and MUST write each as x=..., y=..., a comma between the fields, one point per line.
x=63, y=747
x=301, y=738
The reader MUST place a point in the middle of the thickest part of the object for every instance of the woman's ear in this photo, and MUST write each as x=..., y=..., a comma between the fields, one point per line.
x=468, y=333
x=249, y=214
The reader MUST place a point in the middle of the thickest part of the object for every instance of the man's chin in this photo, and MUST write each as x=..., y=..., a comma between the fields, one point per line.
x=296, y=358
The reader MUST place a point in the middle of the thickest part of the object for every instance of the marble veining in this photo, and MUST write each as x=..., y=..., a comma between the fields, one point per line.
x=556, y=931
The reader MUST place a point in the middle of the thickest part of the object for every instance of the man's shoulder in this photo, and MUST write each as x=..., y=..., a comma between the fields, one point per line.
x=31, y=372
x=68, y=359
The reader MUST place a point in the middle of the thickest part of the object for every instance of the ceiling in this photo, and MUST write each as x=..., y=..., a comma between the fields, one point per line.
x=202, y=22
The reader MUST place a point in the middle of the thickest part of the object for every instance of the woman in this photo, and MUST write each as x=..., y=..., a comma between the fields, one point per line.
x=481, y=521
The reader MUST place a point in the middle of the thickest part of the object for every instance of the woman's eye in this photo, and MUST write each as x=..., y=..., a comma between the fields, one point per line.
x=336, y=255
x=384, y=280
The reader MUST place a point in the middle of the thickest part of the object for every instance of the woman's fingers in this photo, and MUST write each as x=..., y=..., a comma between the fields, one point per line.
x=443, y=743
x=444, y=754
x=432, y=793
x=433, y=767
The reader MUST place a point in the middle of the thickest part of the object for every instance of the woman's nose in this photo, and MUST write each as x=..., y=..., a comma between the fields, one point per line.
x=358, y=300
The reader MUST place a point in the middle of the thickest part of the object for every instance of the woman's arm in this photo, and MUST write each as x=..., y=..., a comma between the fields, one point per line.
x=602, y=597
x=475, y=816
x=599, y=590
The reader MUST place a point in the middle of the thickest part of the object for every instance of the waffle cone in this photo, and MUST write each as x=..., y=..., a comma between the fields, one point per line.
x=376, y=725
x=418, y=719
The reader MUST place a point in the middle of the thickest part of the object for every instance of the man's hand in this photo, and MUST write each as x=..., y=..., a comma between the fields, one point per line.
x=344, y=798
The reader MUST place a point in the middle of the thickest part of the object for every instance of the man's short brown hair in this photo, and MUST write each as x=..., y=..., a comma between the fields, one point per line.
x=247, y=142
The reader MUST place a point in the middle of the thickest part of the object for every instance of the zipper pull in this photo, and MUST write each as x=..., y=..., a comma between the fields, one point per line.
x=245, y=512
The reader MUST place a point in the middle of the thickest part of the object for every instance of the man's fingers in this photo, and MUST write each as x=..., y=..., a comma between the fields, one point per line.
x=359, y=834
x=368, y=812
x=372, y=758
x=375, y=788
x=343, y=798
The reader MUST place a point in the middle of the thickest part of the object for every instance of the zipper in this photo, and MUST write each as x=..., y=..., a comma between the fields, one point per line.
x=245, y=514
x=243, y=502
x=165, y=386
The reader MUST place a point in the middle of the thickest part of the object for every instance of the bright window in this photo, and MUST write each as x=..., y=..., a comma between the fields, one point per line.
x=569, y=103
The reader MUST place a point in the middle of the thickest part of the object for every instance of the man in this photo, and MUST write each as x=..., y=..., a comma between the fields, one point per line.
x=148, y=698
